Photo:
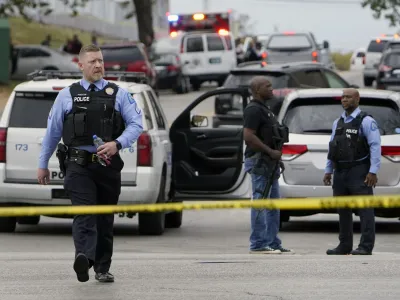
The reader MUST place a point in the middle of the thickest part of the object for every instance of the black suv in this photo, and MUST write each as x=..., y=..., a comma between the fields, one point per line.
x=284, y=79
x=388, y=77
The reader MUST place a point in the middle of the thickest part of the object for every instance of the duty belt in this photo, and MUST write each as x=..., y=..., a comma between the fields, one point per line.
x=82, y=157
x=349, y=165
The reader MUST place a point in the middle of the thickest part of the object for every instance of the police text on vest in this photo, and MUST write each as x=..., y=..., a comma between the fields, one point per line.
x=353, y=131
x=81, y=99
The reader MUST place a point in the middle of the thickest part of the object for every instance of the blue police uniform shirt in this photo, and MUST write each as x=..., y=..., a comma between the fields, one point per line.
x=125, y=104
x=369, y=129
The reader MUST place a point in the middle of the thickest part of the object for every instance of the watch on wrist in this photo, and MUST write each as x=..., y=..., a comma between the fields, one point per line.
x=119, y=146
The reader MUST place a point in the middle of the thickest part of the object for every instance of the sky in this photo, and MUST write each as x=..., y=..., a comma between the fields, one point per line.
x=346, y=26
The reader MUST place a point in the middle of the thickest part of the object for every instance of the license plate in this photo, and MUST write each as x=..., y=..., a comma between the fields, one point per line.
x=59, y=194
x=215, y=60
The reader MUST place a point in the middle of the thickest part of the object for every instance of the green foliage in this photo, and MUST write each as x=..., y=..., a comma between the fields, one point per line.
x=389, y=9
x=342, y=60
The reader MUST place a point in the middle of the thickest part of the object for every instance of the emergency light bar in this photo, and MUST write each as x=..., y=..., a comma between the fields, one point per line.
x=217, y=22
x=42, y=75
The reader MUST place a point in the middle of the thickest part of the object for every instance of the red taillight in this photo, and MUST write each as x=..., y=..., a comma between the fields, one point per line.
x=314, y=55
x=172, y=68
x=144, y=149
x=391, y=152
x=383, y=68
x=3, y=144
x=290, y=152
x=75, y=59
x=57, y=88
x=264, y=55
x=281, y=92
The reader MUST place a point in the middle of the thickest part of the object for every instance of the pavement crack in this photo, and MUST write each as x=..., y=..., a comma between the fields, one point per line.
x=265, y=295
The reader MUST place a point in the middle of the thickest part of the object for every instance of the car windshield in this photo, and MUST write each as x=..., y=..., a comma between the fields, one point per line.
x=376, y=46
x=278, y=80
x=123, y=54
x=31, y=110
x=289, y=41
x=314, y=116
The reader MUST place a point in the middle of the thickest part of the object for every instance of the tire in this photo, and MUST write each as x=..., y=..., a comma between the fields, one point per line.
x=174, y=219
x=154, y=223
x=8, y=224
x=33, y=220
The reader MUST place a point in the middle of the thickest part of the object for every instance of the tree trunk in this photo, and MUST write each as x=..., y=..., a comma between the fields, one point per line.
x=144, y=16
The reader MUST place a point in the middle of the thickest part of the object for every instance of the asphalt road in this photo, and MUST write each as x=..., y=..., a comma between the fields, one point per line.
x=207, y=258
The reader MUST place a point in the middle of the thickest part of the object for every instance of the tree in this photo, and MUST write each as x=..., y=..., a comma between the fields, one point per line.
x=388, y=8
x=144, y=18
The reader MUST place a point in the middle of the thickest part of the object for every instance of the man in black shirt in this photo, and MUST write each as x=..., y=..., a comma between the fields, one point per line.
x=258, y=135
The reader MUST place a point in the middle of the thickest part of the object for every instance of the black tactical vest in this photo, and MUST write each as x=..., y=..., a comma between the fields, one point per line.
x=270, y=131
x=347, y=144
x=93, y=113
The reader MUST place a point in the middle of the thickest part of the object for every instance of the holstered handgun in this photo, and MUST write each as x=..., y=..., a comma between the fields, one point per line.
x=62, y=153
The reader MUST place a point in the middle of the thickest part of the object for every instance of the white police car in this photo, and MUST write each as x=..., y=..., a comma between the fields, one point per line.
x=207, y=162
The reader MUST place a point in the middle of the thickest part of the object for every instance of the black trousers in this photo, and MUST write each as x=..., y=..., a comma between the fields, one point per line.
x=93, y=234
x=348, y=182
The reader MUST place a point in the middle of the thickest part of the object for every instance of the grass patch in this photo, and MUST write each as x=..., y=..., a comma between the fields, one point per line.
x=342, y=60
x=23, y=32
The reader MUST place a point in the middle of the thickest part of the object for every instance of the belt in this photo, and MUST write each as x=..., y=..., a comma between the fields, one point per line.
x=82, y=156
x=351, y=164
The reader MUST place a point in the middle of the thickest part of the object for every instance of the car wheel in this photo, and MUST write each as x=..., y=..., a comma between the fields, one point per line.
x=33, y=220
x=154, y=223
x=174, y=219
x=8, y=224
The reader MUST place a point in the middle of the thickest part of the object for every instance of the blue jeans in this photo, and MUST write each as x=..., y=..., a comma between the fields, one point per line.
x=264, y=222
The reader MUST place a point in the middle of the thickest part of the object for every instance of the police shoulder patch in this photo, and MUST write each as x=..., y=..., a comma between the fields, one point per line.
x=50, y=112
x=374, y=126
x=131, y=99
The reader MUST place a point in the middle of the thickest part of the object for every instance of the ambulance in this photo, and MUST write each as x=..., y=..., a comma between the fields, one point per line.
x=205, y=46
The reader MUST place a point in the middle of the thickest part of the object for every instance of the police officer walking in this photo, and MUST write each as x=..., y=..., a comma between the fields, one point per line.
x=355, y=156
x=262, y=161
x=92, y=106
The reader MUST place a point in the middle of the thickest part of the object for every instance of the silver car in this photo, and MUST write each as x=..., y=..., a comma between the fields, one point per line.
x=38, y=57
x=288, y=47
x=310, y=114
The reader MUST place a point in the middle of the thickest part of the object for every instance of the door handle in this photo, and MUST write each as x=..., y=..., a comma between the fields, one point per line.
x=201, y=137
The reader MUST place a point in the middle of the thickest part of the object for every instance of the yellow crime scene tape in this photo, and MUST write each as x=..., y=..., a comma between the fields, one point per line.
x=354, y=202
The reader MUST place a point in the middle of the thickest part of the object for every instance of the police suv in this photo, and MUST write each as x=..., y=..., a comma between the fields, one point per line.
x=206, y=162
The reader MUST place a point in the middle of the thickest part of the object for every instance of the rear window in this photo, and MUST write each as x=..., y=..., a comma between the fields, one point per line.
x=316, y=116
x=289, y=41
x=31, y=110
x=393, y=60
x=123, y=54
x=376, y=46
x=394, y=46
x=215, y=43
x=278, y=80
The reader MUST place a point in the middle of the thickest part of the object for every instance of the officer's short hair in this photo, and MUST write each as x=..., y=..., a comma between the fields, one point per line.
x=89, y=48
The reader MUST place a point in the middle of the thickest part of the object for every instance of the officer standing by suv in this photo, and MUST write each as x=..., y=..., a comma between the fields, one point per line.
x=261, y=159
x=92, y=106
x=355, y=156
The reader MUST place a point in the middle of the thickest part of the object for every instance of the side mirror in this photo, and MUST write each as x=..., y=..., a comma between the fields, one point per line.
x=326, y=45
x=199, y=121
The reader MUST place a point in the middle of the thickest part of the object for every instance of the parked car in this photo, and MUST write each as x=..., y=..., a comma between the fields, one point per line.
x=309, y=115
x=37, y=57
x=388, y=77
x=129, y=57
x=170, y=73
x=284, y=78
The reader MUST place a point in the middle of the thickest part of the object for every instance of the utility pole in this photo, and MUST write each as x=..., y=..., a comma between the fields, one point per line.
x=205, y=5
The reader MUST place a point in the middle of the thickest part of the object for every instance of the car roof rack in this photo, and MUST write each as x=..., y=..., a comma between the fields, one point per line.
x=43, y=75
